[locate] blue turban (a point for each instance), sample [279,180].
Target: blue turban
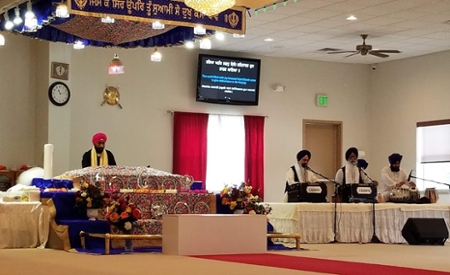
[350,151]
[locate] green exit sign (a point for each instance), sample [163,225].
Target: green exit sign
[322,100]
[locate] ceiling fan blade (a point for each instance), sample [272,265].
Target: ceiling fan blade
[343,52]
[387,51]
[358,52]
[378,54]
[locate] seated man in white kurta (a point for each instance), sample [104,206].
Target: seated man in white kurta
[350,174]
[393,176]
[298,173]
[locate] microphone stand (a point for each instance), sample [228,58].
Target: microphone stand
[375,238]
[336,192]
[431,181]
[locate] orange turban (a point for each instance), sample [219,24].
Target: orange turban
[98,137]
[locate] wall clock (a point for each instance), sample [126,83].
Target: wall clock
[59,93]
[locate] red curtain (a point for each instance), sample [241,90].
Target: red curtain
[189,145]
[254,152]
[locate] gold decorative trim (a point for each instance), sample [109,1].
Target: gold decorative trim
[61,230]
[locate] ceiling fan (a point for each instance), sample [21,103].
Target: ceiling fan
[367,49]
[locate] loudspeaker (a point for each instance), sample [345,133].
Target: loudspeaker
[425,231]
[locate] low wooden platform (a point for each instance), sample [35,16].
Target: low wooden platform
[108,237]
[286,236]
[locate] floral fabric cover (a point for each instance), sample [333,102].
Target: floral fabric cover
[181,203]
[131,177]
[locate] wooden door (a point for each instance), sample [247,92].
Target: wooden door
[323,139]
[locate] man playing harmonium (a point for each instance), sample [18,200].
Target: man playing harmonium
[350,174]
[297,173]
[393,176]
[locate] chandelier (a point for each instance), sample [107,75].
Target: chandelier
[210,7]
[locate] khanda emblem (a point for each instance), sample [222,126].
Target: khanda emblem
[232,18]
[81,3]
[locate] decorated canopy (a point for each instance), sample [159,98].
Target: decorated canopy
[132,25]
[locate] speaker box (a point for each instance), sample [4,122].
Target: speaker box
[425,231]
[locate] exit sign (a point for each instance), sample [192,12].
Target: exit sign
[322,100]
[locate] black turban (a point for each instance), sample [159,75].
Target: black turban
[394,158]
[350,151]
[362,164]
[303,153]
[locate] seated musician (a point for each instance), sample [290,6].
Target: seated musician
[350,174]
[393,176]
[298,173]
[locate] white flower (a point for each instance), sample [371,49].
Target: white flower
[84,194]
[128,226]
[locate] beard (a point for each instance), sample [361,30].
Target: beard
[99,150]
[395,169]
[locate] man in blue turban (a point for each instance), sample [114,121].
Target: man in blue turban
[350,174]
[392,176]
[297,173]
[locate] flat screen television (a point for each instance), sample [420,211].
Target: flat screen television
[228,80]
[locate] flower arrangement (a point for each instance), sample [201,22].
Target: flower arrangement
[243,197]
[90,196]
[122,214]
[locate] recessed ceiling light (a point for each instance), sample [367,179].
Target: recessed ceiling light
[351,18]
[236,35]
[189,45]
[268,39]
[220,36]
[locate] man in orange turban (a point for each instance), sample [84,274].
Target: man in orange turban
[98,155]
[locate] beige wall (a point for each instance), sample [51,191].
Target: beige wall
[17,102]
[408,90]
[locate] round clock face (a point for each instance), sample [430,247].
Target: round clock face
[59,93]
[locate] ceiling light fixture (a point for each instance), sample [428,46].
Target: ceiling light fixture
[2,40]
[8,24]
[62,11]
[199,30]
[351,18]
[220,36]
[237,35]
[116,66]
[158,25]
[78,45]
[17,19]
[268,39]
[108,20]
[156,56]
[31,21]
[189,44]
[210,7]
[205,44]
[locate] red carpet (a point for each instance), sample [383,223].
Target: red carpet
[319,265]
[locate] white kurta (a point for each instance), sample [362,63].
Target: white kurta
[351,175]
[389,179]
[303,176]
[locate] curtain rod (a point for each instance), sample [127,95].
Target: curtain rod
[171,112]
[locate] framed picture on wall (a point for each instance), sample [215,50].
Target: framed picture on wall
[60,71]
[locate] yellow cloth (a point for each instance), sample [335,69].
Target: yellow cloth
[103,158]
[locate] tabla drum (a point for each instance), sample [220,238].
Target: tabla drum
[432,195]
[399,195]
[414,194]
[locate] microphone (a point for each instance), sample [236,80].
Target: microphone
[409,176]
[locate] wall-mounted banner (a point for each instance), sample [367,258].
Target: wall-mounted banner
[166,11]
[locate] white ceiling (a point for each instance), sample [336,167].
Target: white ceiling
[299,30]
